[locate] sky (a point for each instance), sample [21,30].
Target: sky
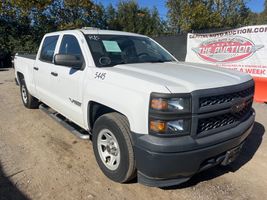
[254,5]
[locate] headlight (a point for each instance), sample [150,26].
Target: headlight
[179,105]
[170,114]
[180,126]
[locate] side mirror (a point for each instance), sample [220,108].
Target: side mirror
[68,60]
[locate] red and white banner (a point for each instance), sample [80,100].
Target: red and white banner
[243,49]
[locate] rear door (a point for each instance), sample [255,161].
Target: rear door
[68,82]
[42,69]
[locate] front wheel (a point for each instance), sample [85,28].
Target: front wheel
[28,100]
[113,147]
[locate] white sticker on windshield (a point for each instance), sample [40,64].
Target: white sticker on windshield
[93,37]
[111,46]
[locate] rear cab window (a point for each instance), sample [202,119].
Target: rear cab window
[48,48]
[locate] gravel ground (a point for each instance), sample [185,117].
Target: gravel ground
[39,159]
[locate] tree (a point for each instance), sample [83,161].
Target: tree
[132,18]
[258,18]
[23,23]
[17,18]
[235,13]
[263,15]
[112,18]
[185,15]
[189,15]
[70,14]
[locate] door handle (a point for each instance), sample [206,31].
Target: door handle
[54,73]
[36,68]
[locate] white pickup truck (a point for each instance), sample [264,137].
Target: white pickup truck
[149,115]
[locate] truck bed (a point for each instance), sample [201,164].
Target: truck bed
[24,63]
[29,56]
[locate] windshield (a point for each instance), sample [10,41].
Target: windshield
[110,50]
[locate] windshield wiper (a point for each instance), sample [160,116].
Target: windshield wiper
[121,62]
[150,61]
[159,61]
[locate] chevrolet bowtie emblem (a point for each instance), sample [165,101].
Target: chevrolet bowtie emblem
[238,107]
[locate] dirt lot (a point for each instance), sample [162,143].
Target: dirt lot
[39,159]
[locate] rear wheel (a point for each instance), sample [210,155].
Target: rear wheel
[28,100]
[113,147]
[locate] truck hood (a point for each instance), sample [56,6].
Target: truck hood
[181,77]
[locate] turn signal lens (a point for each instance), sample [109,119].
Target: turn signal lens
[158,126]
[159,104]
[180,126]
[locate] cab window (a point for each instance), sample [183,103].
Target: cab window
[70,45]
[48,48]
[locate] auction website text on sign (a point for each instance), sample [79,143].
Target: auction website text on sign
[243,49]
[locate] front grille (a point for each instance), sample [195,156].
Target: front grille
[210,123]
[225,98]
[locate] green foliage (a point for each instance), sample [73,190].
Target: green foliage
[71,14]
[257,18]
[189,15]
[130,17]
[262,17]
[19,21]
[23,23]
[112,18]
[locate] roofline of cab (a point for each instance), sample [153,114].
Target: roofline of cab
[96,31]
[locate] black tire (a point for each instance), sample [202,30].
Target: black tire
[28,100]
[119,126]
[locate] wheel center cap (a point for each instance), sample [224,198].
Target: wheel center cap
[111,149]
[108,148]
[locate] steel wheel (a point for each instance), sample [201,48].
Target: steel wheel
[108,149]
[24,94]
[28,100]
[113,147]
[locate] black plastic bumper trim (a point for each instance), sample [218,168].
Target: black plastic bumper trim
[170,161]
